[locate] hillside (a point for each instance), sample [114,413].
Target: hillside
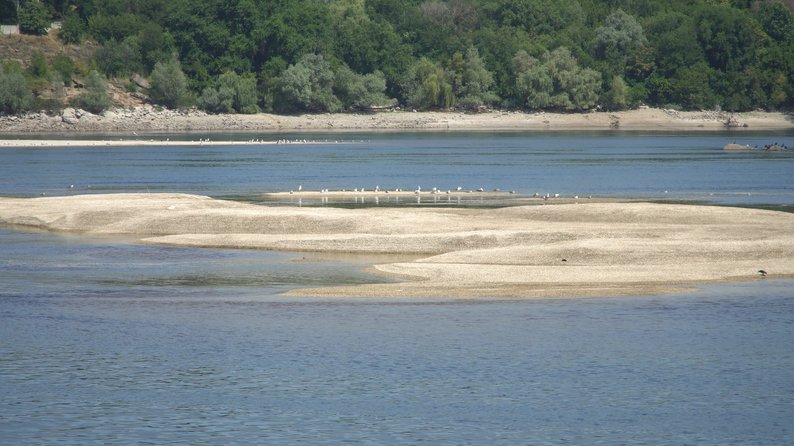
[294,56]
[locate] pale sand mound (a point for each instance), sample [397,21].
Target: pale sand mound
[609,248]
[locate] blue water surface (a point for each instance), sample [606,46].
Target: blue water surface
[644,165]
[104,341]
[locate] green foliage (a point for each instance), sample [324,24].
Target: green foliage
[308,86]
[34,18]
[38,66]
[472,82]
[617,96]
[71,28]
[619,39]
[95,98]
[63,65]
[118,59]
[15,95]
[777,20]
[114,27]
[556,81]
[232,94]
[691,54]
[427,87]
[359,90]
[169,84]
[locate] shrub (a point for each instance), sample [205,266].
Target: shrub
[308,86]
[34,18]
[360,90]
[232,93]
[169,84]
[426,86]
[71,28]
[95,98]
[63,65]
[38,66]
[118,59]
[15,95]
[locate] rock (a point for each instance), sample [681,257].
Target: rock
[734,146]
[69,116]
[140,81]
[775,148]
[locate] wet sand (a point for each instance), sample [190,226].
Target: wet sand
[563,250]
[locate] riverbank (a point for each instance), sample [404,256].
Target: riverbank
[524,251]
[147,119]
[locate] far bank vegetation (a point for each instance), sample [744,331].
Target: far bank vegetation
[315,56]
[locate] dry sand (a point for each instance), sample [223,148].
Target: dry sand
[143,119]
[608,248]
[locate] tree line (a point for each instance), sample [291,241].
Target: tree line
[290,56]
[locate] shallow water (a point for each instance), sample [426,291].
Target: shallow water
[644,165]
[107,342]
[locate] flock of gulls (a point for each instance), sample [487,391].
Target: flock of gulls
[433,191]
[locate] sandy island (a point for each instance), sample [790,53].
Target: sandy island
[592,249]
[147,119]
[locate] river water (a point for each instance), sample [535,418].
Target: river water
[103,341]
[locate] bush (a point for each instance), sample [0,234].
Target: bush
[232,93]
[95,99]
[426,86]
[71,29]
[34,18]
[118,59]
[169,84]
[38,66]
[15,95]
[556,81]
[308,86]
[360,90]
[63,65]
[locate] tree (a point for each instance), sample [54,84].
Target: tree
[232,93]
[95,98]
[359,90]
[616,97]
[618,39]
[472,82]
[34,18]
[556,81]
[15,95]
[71,28]
[169,84]
[427,87]
[64,66]
[118,59]
[308,86]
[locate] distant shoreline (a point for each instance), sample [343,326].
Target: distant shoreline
[126,123]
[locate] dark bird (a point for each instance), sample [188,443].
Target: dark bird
[564,260]
[762,273]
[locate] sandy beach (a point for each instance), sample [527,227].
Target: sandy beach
[146,119]
[591,249]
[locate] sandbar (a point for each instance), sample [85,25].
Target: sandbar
[560,250]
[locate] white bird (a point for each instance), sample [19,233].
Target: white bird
[458,188]
[300,187]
